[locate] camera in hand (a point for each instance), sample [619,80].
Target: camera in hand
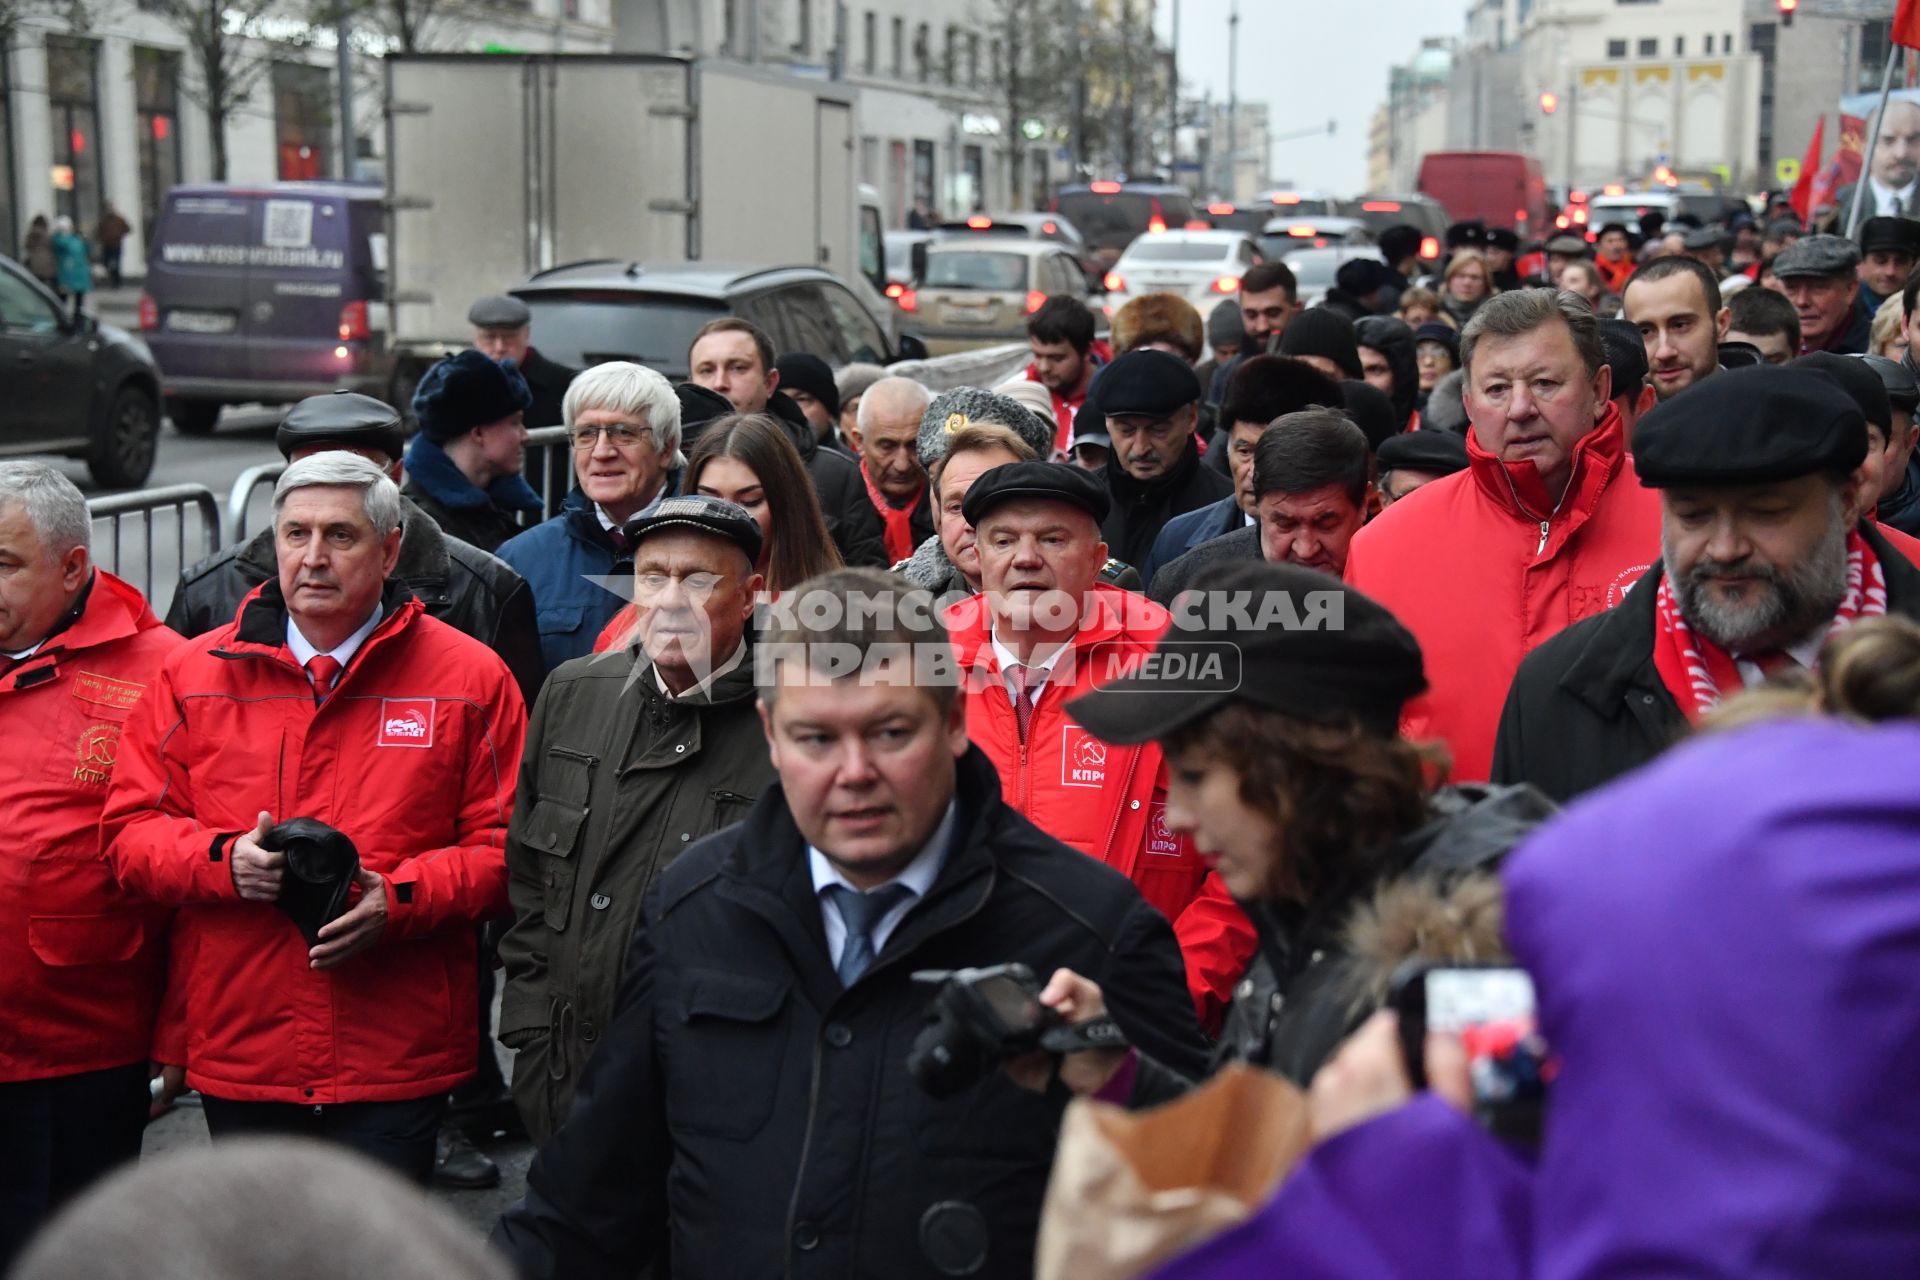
[981,1017]
[1491,1009]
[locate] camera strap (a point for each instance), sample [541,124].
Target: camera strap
[1100,1033]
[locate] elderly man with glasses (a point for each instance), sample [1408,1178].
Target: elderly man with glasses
[624,424]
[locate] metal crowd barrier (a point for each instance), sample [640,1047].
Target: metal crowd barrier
[139,509]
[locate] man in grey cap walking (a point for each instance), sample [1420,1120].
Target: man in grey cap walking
[1820,276]
[503,330]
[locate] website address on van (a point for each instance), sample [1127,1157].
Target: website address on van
[258,255]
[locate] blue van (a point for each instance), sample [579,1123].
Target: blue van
[266,294]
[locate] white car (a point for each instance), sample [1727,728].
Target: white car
[1314,269]
[1201,266]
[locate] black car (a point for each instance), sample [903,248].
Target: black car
[587,313]
[74,387]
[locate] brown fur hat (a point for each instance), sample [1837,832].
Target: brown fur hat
[1159,317]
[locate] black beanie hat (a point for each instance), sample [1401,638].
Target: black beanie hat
[1398,242]
[465,391]
[1320,332]
[800,371]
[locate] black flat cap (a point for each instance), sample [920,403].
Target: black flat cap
[1862,385]
[708,515]
[1817,256]
[1344,656]
[1901,387]
[344,418]
[1901,235]
[1750,426]
[1439,453]
[1052,481]
[498,311]
[1149,383]
[1621,227]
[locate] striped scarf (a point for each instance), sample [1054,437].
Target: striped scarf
[1699,673]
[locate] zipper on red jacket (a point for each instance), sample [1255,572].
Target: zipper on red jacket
[1120,810]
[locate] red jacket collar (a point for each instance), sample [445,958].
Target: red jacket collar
[1115,615]
[113,611]
[1516,487]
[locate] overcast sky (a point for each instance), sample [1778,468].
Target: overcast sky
[1310,61]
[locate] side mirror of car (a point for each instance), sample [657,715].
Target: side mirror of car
[911,348]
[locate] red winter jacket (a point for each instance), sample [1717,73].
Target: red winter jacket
[82,962]
[1106,800]
[1480,577]
[414,757]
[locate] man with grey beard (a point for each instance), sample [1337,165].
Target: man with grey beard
[1765,552]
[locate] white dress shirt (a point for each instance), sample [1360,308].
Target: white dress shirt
[918,877]
[304,652]
[1038,673]
[1883,198]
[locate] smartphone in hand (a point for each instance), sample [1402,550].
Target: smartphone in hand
[1491,1009]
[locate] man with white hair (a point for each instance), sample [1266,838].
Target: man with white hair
[886,437]
[81,961]
[327,978]
[623,421]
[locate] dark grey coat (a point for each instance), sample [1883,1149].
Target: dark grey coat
[1176,575]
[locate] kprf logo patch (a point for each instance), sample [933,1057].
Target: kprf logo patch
[98,748]
[405,722]
[1160,837]
[1083,758]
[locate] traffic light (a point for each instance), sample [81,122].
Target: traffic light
[1549,102]
[1787,10]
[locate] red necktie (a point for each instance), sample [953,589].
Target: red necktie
[1022,697]
[324,670]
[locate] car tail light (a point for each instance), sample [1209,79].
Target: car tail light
[895,289]
[1563,222]
[1430,247]
[1219,210]
[353,322]
[149,313]
[1105,188]
[1158,226]
[1035,300]
[1519,215]
[1381,206]
[1115,282]
[1049,228]
[1226,284]
[1303,233]
[980,222]
[1198,224]
[1321,243]
[908,300]
[1286,197]
[1580,215]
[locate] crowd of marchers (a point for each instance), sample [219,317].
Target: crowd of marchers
[664,767]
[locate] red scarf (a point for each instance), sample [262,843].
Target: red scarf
[1699,673]
[899,519]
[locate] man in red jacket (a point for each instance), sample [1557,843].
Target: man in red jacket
[81,962]
[331,696]
[1545,527]
[1042,631]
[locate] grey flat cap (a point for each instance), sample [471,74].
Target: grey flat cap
[1570,246]
[498,311]
[1817,256]
[966,406]
[1705,238]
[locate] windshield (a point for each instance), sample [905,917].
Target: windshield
[1108,221]
[969,270]
[594,326]
[1314,270]
[1157,250]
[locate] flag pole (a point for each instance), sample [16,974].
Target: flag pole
[1864,186]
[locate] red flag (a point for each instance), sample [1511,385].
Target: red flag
[1803,189]
[1906,24]
[1844,169]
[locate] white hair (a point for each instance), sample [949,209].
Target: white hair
[634,391]
[337,467]
[887,388]
[53,504]
[63,225]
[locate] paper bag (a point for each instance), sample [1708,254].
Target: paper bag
[1133,1189]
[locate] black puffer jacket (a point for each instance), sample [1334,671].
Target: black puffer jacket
[470,590]
[1323,968]
[852,522]
[745,1106]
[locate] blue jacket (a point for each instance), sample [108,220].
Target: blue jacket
[75,263]
[561,559]
[1185,532]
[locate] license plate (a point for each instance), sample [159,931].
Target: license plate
[201,321]
[974,315]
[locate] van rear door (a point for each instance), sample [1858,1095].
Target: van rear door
[198,276]
[301,253]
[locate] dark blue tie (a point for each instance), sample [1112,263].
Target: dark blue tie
[860,912]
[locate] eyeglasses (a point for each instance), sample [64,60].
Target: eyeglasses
[623,436]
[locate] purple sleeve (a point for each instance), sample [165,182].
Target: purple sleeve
[1421,1193]
[1119,1086]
